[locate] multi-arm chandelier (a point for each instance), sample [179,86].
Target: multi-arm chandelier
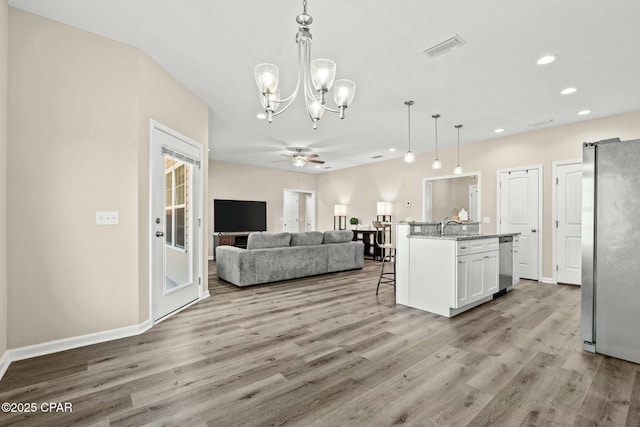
[317,78]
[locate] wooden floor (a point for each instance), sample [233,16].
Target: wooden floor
[325,351]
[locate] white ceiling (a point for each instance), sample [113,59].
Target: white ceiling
[490,82]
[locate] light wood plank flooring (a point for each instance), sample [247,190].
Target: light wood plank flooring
[325,351]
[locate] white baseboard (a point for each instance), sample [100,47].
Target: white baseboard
[205,294]
[4,363]
[63,344]
[210,258]
[547,280]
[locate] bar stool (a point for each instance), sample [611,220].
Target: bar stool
[387,251]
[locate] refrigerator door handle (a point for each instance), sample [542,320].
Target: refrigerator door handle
[589,204]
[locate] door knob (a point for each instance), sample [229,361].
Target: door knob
[159,234]
[533,230]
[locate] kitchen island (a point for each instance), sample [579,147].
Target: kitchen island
[449,273]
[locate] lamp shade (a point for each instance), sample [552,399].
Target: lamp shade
[384,208]
[339,210]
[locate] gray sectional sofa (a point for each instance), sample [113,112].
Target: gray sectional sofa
[271,257]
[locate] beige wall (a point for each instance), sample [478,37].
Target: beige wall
[4,58]
[450,195]
[393,180]
[78,105]
[167,101]
[242,182]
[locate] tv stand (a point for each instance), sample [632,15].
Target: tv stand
[239,240]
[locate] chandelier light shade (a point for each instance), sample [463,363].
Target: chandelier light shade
[458,169]
[436,162]
[316,76]
[409,157]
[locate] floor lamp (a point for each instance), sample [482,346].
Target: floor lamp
[339,217]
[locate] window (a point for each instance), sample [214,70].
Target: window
[176,202]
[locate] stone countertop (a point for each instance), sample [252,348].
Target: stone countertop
[460,236]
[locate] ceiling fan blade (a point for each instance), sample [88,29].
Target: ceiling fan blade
[286,155]
[311,156]
[321,162]
[280,161]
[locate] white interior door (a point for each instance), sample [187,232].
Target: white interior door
[569,223]
[290,208]
[473,204]
[309,217]
[176,219]
[519,213]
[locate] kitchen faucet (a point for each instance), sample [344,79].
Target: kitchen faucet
[445,222]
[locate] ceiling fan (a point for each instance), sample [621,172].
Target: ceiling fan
[299,160]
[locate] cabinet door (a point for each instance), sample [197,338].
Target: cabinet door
[462,282]
[516,264]
[226,240]
[490,272]
[476,287]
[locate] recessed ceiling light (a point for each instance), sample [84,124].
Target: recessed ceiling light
[392,149]
[584,112]
[500,130]
[261,116]
[568,90]
[547,59]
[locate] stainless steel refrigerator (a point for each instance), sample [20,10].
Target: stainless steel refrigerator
[611,248]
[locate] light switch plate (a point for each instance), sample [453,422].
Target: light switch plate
[107,218]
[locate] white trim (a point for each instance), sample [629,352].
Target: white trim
[70,343]
[548,280]
[554,212]
[540,207]
[210,257]
[466,174]
[4,363]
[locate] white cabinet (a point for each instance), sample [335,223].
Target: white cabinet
[445,276]
[516,259]
[476,270]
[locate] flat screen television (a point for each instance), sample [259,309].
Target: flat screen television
[233,216]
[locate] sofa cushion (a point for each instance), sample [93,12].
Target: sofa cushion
[268,240]
[306,239]
[273,265]
[337,236]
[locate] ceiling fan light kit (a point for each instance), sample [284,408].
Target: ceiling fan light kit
[299,160]
[317,78]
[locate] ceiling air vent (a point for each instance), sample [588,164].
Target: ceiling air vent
[546,122]
[377,157]
[445,46]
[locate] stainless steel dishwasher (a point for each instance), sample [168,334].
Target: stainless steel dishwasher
[505,263]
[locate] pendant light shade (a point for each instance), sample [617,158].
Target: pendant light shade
[458,169]
[409,157]
[436,162]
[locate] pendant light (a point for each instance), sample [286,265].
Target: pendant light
[458,169]
[409,157]
[436,163]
